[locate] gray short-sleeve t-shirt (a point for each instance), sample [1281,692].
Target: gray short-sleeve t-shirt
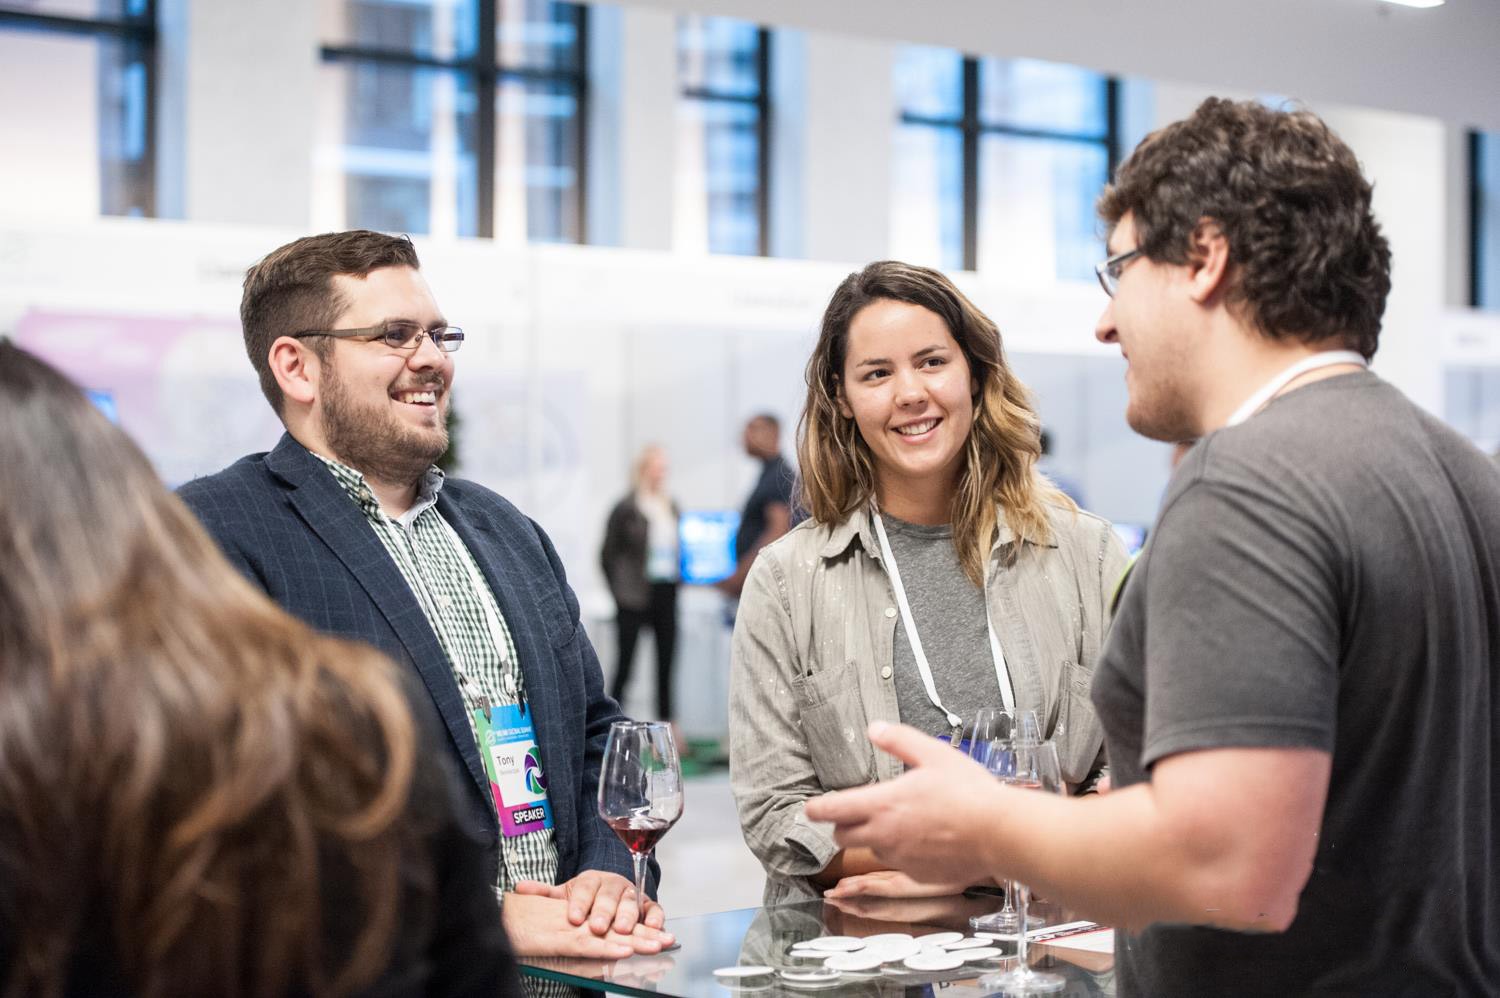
[1327,575]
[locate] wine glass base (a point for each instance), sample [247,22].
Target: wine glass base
[1022,981]
[1004,923]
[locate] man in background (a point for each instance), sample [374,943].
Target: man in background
[768,510]
[348,524]
[1301,687]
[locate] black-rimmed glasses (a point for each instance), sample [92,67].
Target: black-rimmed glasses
[1109,270]
[398,335]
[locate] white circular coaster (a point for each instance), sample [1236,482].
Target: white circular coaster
[884,938]
[854,961]
[966,944]
[981,953]
[895,951]
[802,980]
[935,961]
[833,944]
[739,972]
[940,938]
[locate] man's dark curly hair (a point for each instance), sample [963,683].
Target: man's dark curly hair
[1310,262]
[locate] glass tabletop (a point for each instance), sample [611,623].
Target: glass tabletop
[762,936]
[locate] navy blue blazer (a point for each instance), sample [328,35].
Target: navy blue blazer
[285,522]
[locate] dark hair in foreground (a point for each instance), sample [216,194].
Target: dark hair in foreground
[1310,261]
[291,291]
[182,765]
[837,469]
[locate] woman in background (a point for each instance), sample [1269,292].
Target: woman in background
[199,794]
[938,574]
[640,560]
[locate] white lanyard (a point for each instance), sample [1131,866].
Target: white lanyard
[1268,391]
[1002,676]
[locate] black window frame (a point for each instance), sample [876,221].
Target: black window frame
[761,100]
[484,71]
[139,36]
[972,129]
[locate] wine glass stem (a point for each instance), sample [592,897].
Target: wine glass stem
[1009,908]
[1022,967]
[640,879]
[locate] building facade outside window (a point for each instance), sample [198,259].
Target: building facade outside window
[453,118]
[997,163]
[721,196]
[83,73]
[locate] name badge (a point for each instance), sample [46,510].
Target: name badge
[513,763]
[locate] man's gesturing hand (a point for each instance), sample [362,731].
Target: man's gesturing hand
[930,822]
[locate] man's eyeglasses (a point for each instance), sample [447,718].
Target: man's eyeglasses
[398,335]
[1109,270]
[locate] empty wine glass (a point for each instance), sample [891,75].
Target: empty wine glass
[640,789]
[991,724]
[998,756]
[1035,767]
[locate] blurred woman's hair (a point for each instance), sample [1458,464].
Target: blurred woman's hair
[999,466]
[183,766]
[638,466]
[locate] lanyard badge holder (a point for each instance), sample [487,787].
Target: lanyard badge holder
[507,740]
[924,669]
[513,765]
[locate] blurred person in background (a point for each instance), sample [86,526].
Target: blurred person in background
[768,509]
[918,452]
[198,794]
[641,560]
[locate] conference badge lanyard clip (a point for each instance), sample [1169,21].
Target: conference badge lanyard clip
[1268,391]
[924,669]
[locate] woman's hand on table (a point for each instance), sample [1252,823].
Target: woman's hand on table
[891,884]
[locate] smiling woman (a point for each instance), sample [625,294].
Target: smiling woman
[918,448]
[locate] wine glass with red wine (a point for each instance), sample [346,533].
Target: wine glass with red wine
[640,789]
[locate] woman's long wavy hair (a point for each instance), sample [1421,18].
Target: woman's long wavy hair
[182,765]
[1000,458]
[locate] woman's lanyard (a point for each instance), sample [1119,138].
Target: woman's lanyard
[1268,391]
[1002,676]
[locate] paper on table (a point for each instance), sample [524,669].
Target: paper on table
[1098,941]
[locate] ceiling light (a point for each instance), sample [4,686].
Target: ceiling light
[1418,3]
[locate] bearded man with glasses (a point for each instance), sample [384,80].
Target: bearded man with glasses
[348,524]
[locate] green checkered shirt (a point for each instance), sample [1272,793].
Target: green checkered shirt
[469,626]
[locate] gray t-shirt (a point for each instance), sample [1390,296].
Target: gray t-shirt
[949,613]
[1327,575]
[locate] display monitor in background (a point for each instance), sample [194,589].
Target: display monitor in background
[706,538]
[104,401]
[1132,535]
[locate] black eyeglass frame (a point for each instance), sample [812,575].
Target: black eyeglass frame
[1108,271]
[446,338]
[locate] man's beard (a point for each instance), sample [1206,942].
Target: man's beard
[372,440]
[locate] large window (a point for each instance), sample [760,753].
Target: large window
[82,73]
[1484,192]
[723,129]
[453,117]
[997,163]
